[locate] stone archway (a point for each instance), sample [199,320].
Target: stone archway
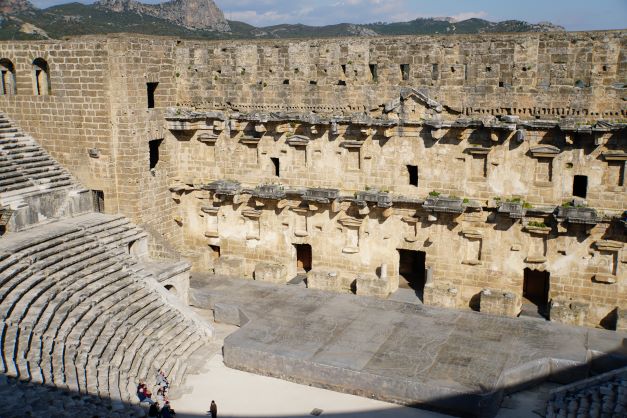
[173,291]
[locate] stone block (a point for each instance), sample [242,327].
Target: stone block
[443,294]
[569,312]
[497,302]
[371,285]
[226,313]
[229,266]
[270,272]
[323,280]
[621,320]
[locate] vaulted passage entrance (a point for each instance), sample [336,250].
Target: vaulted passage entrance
[411,271]
[303,258]
[536,292]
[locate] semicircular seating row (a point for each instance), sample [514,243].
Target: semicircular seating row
[77,310]
[25,167]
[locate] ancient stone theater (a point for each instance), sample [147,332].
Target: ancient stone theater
[482,173]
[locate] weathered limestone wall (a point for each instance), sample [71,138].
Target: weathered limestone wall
[75,116]
[144,194]
[94,119]
[523,74]
[469,252]
[99,102]
[470,165]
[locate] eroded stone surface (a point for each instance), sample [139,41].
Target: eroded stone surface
[396,351]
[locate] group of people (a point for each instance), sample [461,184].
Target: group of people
[156,409]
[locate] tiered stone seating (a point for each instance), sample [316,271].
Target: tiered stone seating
[25,167]
[603,396]
[77,311]
[22,399]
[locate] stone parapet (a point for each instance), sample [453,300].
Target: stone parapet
[271,272]
[441,294]
[498,302]
[323,280]
[371,285]
[569,312]
[229,266]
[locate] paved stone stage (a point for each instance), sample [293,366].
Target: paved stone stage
[452,361]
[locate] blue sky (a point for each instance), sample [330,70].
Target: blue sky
[572,14]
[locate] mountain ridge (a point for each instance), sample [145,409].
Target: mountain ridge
[202,19]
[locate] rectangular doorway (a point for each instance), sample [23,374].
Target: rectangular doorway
[215,250]
[536,290]
[98,199]
[580,186]
[303,258]
[411,271]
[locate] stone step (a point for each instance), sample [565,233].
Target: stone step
[136,312]
[101,351]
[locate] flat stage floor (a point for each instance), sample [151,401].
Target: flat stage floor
[452,361]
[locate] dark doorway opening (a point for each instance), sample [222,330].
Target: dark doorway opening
[215,249]
[405,72]
[374,72]
[154,152]
[413,175]
[303,258]
[277,166]
[98,198]
[580,186]
[536,292]
[412,271]
[151,88]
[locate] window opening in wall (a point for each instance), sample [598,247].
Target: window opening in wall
[154,152]
[580,186]
[580,84]
[374,72]
[544,170]
[98,199]
[344,69]
[41,77]
[478,166]
[7,80]
[215,249]
[313,82]
[501,84]
[353,159]
[151,88]
[4,83]
[413,175]
[286,82]
[536,292]
[341,83]
[616,173]
[435,71]
[405,72]
[277,166]
[412,271]
[303,258]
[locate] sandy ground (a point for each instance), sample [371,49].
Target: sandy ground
[240,394]
[245,395]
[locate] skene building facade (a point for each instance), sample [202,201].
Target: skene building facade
[483,172]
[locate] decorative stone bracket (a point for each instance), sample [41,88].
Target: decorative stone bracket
[544,151]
